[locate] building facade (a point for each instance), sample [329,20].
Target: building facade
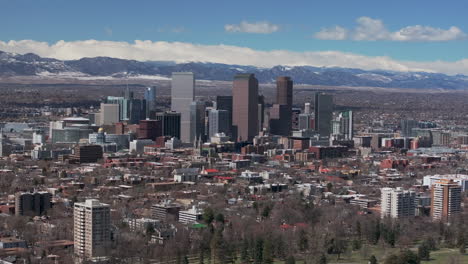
[323,113]
[446,200]
[92,234]
[245,107]
[397,203]
[182,95]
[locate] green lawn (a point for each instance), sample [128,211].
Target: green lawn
[441,256]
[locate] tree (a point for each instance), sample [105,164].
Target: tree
[462,247]
[303,241]
[208,215]
[431,243]
[336,246]
[267,252]
[258,253]
[392,259]
[244,254]
[357,244]
[358,229]
[373,260]
[219,218]
[461,242]
[408,257]
[322,259]
[290,260]
[266,211]
[424,252]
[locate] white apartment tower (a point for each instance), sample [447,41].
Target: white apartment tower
[91,229]
[397,203]
[182,95]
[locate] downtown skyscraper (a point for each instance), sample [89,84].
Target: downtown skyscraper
[245,107]
[182,95]
[281,112]
[323,114]
[150,97]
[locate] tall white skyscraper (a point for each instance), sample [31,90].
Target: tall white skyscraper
[182,95]
[91,229]
[397,203]
[307,108]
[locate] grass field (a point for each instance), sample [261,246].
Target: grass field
[441,256]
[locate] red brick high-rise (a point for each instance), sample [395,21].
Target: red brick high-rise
[284,91]
[245,107]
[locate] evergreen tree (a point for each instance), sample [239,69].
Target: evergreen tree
[322,259]
[266,211]
[244,254]
[290,260]
[424,252]
[219,218]
[208,215]
[267,252]
[431,243]
[303,241]
[280,250]
[358,229]
[258,257]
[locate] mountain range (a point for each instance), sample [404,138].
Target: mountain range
[12,64]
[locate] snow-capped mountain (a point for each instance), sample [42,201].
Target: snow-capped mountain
[12,64]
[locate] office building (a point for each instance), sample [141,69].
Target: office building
[306,122]
[88,153]
[280,120]
[182,95]
[307,108]
[446,200]
[245,107]
[460,179]
[122,106]
[197,121]
[342,125]
[32,204]
[109,114]
[150,98]
[165,211]
[397,203]
[323,114]
[150,129]
[170,123]
[295,118]
[92,234]
[190,216]
[284,91]
[225,103]
[138,145]
[218,121]
[5,145]
[407,127]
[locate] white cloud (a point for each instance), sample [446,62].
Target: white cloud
[370,29]
[262,27]
[108,31]
[334,33]
[185,52]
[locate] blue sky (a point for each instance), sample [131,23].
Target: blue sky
[290,25]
